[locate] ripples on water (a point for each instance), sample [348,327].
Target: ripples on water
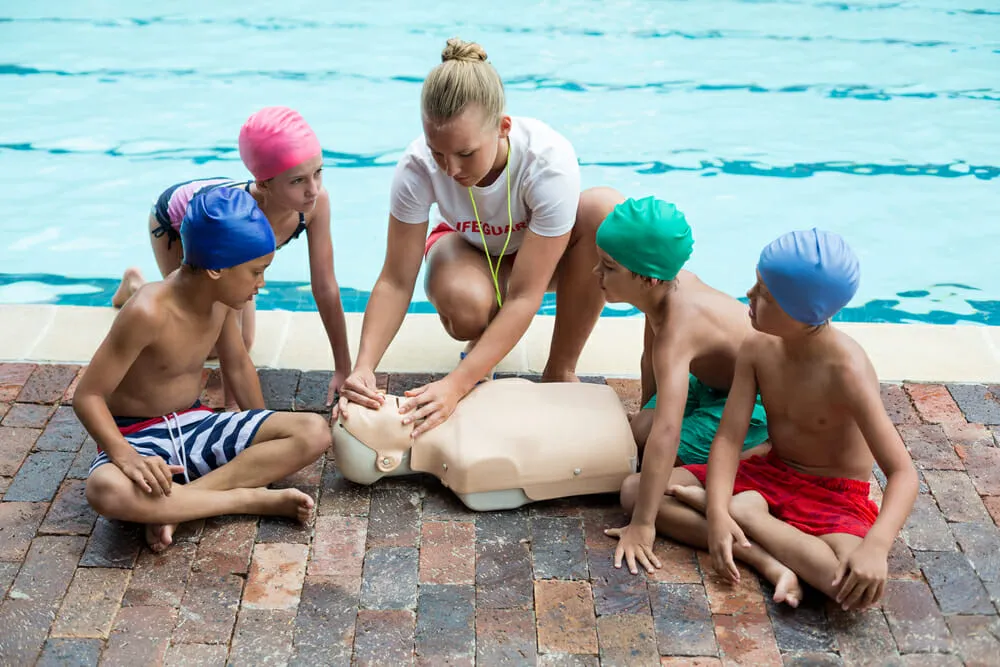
[876,120]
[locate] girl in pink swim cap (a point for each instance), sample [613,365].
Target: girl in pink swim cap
[285,158]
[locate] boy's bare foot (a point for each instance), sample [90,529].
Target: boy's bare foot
[786,583]
[692,496]
[132,280]
[291,503]
[786,586]
[159,536]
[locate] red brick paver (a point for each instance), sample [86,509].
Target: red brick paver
[401,572]
[934,404]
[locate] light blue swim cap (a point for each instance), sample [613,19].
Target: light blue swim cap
[223,228]
[812,274]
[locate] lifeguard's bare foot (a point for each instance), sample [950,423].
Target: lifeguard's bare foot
[159,536]
[559,376]
[132,280]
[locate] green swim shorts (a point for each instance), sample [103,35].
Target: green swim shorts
[702,415]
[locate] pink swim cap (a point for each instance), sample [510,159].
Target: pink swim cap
[276,139]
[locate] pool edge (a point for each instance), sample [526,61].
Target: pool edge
[900,352]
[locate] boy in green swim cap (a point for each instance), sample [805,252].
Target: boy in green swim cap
[693,333]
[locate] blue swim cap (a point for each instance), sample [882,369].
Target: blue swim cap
[223,228]
[812,274]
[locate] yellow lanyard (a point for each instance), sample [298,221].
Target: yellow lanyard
[495,273]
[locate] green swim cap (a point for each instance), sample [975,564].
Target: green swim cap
[647,236]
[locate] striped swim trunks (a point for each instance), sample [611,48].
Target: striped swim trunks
[198,439]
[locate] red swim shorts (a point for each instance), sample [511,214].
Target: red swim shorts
[439,230]
[813,504]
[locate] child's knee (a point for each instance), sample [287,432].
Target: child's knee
[641,423]
[629,492]
[107,492]
[747,504]
[315,435]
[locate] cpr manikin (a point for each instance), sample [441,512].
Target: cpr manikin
[508,443]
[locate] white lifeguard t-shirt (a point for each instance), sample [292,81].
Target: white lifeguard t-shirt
[544,189]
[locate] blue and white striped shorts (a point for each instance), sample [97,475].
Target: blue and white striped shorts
[199,439]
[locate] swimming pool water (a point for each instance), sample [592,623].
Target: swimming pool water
[877,120]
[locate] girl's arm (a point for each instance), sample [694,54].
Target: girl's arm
[325,289]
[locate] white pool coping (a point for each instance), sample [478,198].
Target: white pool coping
[900,352]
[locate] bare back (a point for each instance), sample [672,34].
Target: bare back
[166,375]
[808,415]
[713,322]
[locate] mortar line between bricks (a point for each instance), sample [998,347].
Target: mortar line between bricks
[913,406]
[239,607]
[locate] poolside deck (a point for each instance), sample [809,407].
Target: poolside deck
[401,573]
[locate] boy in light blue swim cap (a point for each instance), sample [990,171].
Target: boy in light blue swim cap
[693,334]
[163,457]
[806,502]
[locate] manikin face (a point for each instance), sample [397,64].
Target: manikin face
[466,146]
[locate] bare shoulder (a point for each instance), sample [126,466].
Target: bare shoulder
[710,312]
[757,346]
[686,316]
[146,309]
[851,366]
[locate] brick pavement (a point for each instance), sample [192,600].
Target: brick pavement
[402,573]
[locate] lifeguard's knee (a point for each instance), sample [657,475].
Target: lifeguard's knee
[595,205]
[464,326]
[465,311]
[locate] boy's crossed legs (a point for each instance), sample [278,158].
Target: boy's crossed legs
[780,552]
[684,523]
[283,444]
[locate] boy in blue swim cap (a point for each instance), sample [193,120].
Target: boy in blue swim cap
[805,504]
[693,334]
[171,459]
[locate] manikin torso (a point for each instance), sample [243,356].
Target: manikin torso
[508,443]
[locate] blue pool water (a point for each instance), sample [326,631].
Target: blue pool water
[878,120]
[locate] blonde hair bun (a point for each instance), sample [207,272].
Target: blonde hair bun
[463,77]
[462,51]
